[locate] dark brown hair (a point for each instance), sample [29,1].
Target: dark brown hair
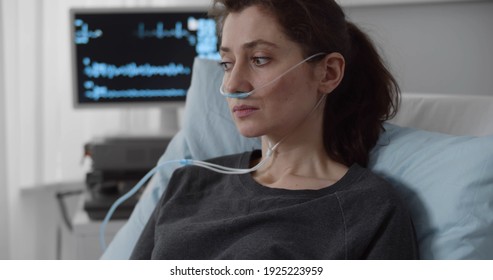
[368,94]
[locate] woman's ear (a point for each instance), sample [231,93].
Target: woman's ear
[333,66]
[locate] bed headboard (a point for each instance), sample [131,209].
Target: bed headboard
[446,113]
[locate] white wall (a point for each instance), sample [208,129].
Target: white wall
[432,48]
[439,48]
[4,249]
[14,137]
[44,135]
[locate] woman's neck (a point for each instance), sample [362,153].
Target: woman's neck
[299,162]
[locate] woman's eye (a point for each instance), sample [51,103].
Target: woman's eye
[225,65]
[260,60]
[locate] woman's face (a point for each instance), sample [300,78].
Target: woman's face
[255,51]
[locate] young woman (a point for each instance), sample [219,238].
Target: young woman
[313,87]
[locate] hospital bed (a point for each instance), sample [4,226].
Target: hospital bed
[436,152]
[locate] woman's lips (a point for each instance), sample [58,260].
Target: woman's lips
[243,111]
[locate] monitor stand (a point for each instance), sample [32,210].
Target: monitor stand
[165,121]
[171,120]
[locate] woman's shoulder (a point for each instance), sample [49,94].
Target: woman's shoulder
[366,188]
[377,218]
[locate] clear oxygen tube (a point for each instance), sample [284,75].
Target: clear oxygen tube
[204,164]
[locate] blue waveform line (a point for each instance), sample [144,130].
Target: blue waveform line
[131,70]
[211,56]
[102,92]
[83,35]
[206,37]
[205,41]
[160,32]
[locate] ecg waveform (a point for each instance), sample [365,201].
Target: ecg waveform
[83,35]
[96,93]
[132,70]
[205,41]
[159,32]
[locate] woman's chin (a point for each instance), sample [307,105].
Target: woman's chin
[248,132]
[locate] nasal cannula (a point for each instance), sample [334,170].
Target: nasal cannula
[243,95]
[208,165]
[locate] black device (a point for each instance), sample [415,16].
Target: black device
[118,163]
[137,56]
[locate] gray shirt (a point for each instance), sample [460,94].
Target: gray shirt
[207,215]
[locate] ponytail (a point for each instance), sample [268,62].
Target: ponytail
[367,96]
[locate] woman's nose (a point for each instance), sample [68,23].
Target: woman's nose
[237,79]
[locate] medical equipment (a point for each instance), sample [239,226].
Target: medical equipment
[147,41]
[242,95]
[117,164]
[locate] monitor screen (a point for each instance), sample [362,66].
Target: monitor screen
[129,57]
